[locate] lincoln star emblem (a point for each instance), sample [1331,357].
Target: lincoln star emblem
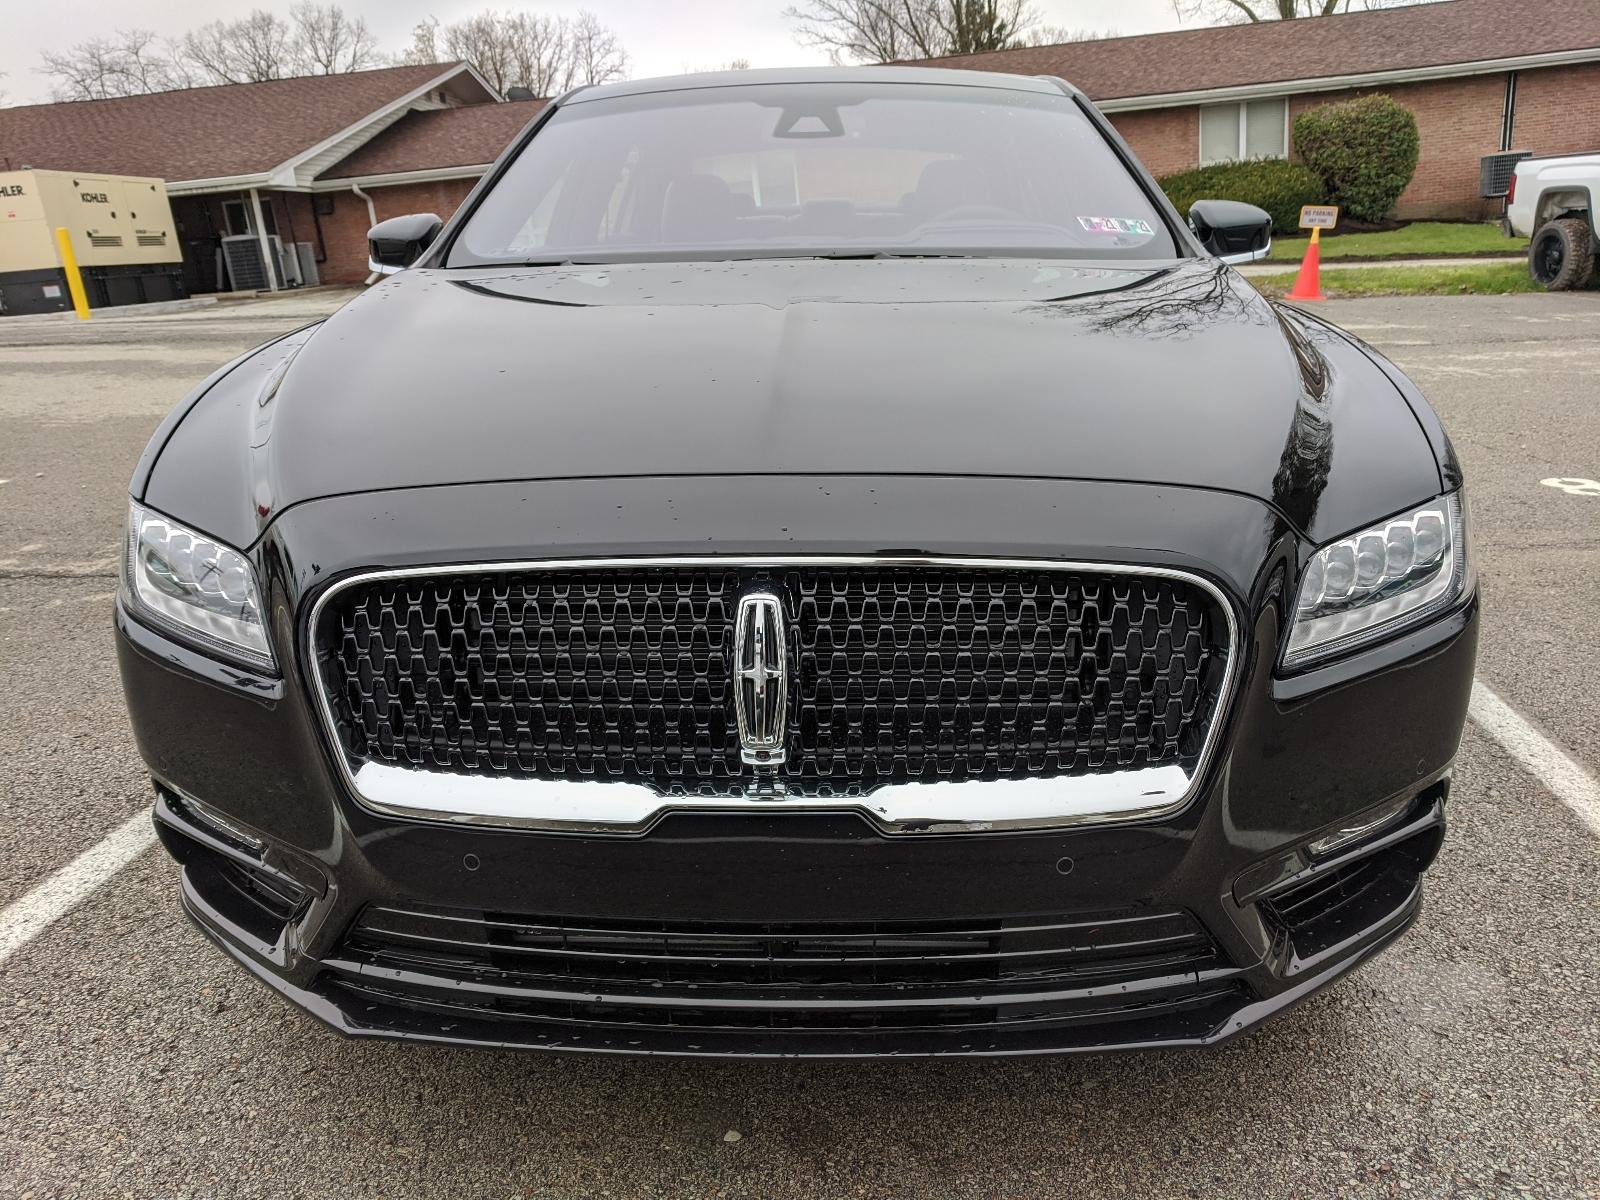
[760,678]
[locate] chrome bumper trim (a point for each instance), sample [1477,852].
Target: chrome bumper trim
[631,808]
[556,806]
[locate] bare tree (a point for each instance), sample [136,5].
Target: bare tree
[483,40]
[327,42]
[1242,11]
[540,54]
[130,63]
[733,64]
[597,56]
[545,54]
[891,30]
[424,46]
[852,30]
[318,39]
[1060,35]
[974,26]
[251,49]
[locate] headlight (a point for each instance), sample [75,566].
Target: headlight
[1370,585]
[185,582]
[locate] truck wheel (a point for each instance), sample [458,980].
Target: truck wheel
[1561,255]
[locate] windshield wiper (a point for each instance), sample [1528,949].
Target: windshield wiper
[522,262]
[845,255]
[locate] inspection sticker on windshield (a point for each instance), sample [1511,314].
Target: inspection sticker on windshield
[1117,225]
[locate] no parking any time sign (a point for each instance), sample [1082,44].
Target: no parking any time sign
[1319,216]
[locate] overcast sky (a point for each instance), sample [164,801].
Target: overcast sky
[663,37]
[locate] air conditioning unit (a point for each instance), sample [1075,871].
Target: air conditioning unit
[1495,171]
[241,255]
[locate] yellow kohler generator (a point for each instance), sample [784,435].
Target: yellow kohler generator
[122,236]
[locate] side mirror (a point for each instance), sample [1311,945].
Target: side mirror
[395,244]
[1234,232]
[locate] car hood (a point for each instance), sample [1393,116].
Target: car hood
[1176,373]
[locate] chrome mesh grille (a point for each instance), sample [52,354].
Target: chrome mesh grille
[896,674]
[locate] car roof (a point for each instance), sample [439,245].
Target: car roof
[789,75]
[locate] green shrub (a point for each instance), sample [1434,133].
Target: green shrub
[1365,151]
[1274,184]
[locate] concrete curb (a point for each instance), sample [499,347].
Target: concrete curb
[1367,264]
[115,313]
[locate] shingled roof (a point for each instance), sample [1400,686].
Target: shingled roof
[1417,37]
[204,133]
[470,136]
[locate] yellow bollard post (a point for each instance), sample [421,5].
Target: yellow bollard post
[69,262]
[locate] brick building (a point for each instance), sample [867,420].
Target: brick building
[310,162]
[314,162]
[1480,75]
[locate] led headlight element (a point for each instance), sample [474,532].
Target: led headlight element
[196,587]
[1371,584]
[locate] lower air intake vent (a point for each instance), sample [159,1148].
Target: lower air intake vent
[818,978]
[1343,903]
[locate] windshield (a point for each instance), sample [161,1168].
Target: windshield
[815,169]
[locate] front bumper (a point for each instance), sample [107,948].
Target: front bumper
[1368,898]
[1182,931]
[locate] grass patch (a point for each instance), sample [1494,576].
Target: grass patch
[1442,239]
[1491,279]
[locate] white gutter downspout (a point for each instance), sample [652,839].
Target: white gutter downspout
[268,264]
[372,219]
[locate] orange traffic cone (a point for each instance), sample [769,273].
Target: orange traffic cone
[1308,284]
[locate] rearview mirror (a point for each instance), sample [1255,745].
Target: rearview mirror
[1234,232]
[395,244]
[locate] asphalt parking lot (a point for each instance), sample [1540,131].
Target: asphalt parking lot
[135,1060]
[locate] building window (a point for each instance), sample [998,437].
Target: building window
[1256,129]
[236,217]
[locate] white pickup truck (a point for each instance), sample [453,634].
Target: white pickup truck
[1556,201]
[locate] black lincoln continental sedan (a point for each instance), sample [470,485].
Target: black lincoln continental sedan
[803,563]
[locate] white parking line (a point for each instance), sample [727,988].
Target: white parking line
[1539,756]
[26,918]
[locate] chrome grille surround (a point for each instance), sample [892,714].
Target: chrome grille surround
[589,806]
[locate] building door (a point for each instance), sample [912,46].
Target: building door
[198,238]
